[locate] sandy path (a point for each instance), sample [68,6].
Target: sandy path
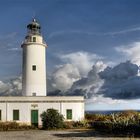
[56,135]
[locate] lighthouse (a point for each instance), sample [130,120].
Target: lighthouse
[34,62]
[28,108]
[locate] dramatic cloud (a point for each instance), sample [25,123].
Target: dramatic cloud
[11,88]
[77,77]
[91,84]
[122,71]
[121,82]
[131,52]
[101,84]
[64,77]
[75,66]
[83,61]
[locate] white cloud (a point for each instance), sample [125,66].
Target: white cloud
[91,84]
[101,100]
[104,103]
[123,31]
[4,87]
[90,33]
[11,35]
[12,87]
[66,32]
[14,49]
[79,71]
[64,77]
[100,66]
[75,66]
[131,52]
[83,61]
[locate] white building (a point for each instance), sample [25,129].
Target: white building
[27,108]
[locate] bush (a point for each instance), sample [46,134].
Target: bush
[52,119]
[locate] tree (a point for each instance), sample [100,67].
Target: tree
[52,119]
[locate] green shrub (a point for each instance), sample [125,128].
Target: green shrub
[52,119]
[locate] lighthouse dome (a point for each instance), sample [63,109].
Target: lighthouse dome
[34,27]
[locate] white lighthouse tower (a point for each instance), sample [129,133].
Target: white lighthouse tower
[34,62]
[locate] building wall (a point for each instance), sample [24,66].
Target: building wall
[25,106]
[3,109]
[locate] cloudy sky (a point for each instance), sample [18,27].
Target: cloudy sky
[93,48]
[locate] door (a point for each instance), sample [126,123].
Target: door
[34,117]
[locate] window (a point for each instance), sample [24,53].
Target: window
[15,115]
[34,39]
[69,113]
[0,114]
[34,94]
[34,67]
[30,39]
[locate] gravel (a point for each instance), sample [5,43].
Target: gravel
[57,135]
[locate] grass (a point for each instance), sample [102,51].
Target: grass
[125,123]
[9,126]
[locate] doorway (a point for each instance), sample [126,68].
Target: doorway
[34,117]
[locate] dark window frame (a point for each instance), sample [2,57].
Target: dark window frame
[34,94]
[34,67]
[16,114]
[69,114]
[34,39]
[0,114]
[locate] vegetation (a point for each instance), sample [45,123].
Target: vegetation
[6,126]
[76,124]
[52,119]
[123,123]
[127,122]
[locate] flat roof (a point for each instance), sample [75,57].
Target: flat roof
[41,98]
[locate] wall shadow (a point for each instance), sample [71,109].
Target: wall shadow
[91,133]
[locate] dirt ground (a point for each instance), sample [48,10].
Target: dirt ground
[58,135]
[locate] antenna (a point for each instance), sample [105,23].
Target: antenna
[34,15]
